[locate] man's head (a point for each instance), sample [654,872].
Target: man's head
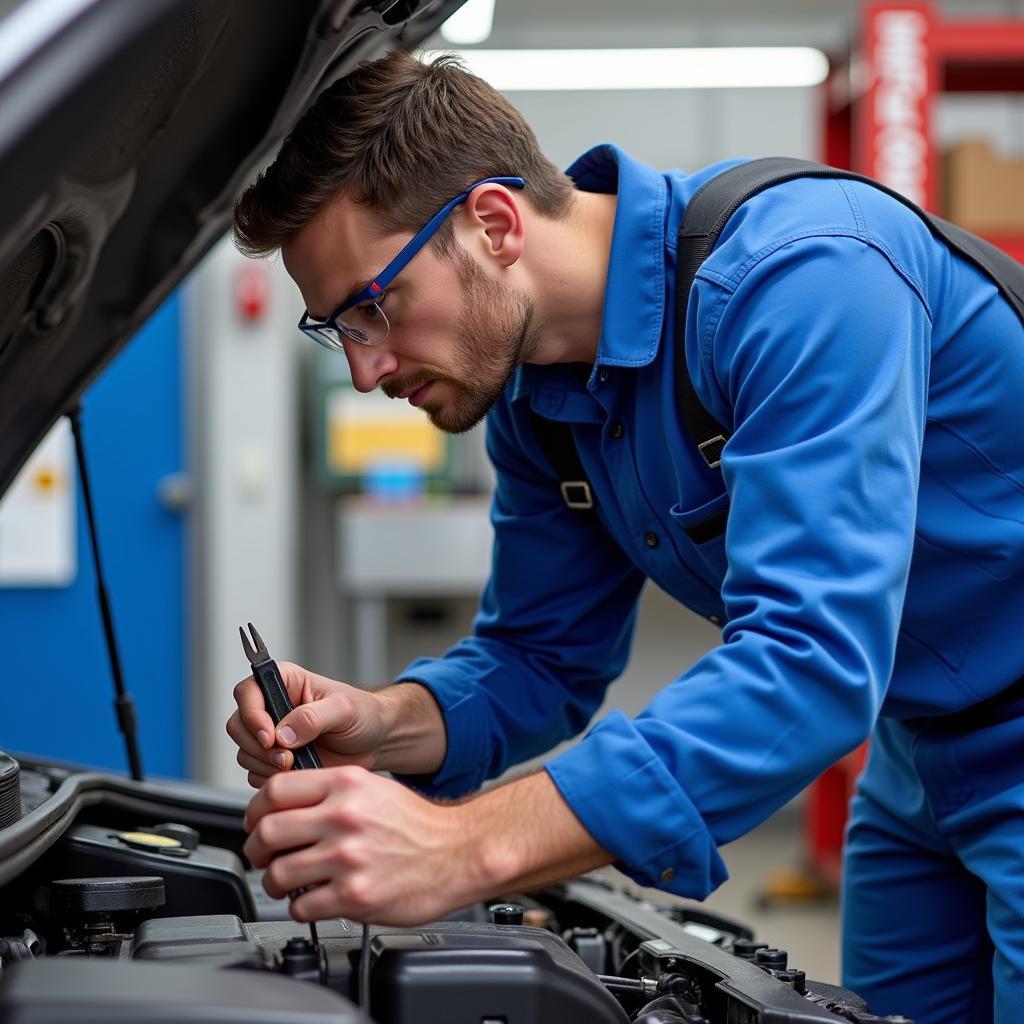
[373,160]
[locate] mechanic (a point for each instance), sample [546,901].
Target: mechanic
[869,580]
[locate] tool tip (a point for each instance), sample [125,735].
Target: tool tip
[250,652]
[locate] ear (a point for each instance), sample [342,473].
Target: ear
[495,217]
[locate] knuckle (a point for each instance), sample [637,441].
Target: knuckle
[265,832]
[306,717]
[275,789]
[339,814]
[347,774]
[257,781]
[358,894]
[341,851]
[272,877]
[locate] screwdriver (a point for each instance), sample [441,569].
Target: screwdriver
[275,697]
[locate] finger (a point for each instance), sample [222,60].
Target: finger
[297,870]
[324,901]
[245,740]
[286,790]
[307,722]
[281,831]
[261,765]
[252,713]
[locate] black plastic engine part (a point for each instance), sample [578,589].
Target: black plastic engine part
[522,976]
[506,913]
[206,880]
[589,945]
[26,946]
[80,896]
[216,940]
[746,949]
[10,791]
[114,992]
[796,979]
[771,959]
[185,834]
[670,1010]
[299,959]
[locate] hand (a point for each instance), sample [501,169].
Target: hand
[374,850]
[348,724]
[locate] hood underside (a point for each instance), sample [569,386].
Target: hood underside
[127,128]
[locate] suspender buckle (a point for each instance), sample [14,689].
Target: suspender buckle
[711,450]
[577,494]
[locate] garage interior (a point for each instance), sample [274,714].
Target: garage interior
[357,538]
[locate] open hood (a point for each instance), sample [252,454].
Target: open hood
[127,128]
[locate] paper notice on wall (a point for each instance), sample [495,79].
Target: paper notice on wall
[37,517]
[364,430]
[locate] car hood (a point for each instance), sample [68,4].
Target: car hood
[127,129]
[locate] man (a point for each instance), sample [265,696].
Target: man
[870,575]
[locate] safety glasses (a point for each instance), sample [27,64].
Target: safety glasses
[361,317]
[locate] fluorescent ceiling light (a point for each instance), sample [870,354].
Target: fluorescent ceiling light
[741,67]
[470,24]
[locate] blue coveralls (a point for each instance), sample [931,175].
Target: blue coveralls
[873,565]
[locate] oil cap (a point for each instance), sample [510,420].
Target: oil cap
[152,843]
[185,834]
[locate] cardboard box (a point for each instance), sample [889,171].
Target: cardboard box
[983,191]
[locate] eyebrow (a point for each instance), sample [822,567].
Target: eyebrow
[356,290]
[351,295]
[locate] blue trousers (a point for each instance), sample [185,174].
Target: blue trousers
[933,889]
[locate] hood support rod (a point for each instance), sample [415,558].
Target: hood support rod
[123,703]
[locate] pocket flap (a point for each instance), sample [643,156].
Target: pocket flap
[706,522]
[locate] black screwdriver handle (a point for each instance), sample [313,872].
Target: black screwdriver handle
[275,696]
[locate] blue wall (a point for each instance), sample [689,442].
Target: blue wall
[58,689]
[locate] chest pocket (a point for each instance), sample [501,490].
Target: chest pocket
[705,526]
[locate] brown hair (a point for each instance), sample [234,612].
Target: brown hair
[403,137]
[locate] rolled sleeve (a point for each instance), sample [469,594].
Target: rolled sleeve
[638,811]
[465,719]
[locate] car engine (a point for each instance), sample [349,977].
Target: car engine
[128,901]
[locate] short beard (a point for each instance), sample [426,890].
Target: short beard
[495,333]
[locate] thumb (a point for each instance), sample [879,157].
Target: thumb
[309,721]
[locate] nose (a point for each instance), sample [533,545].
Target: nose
[369,365]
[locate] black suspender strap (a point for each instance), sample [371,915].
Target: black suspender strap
[706,214]
[555,438]
[718,199]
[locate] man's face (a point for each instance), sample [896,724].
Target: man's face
[456,334]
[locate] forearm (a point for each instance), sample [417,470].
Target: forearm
[523,835]
[415,737]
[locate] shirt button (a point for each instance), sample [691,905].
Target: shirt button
[716,619]
[651,539]
[667,875]
[603,375]
[618,430]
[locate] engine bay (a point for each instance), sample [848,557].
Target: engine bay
[128,901]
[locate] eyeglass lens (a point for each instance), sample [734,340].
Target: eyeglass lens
[366,324]
[371,328]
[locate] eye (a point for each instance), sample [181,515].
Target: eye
[371,310]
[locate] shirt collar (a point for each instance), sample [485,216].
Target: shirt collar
[634,298]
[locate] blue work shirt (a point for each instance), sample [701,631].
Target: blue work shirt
[874,556]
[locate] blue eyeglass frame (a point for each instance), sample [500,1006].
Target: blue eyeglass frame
[395,267]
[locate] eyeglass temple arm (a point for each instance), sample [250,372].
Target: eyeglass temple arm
[424,234]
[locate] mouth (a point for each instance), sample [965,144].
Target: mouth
[417,396]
